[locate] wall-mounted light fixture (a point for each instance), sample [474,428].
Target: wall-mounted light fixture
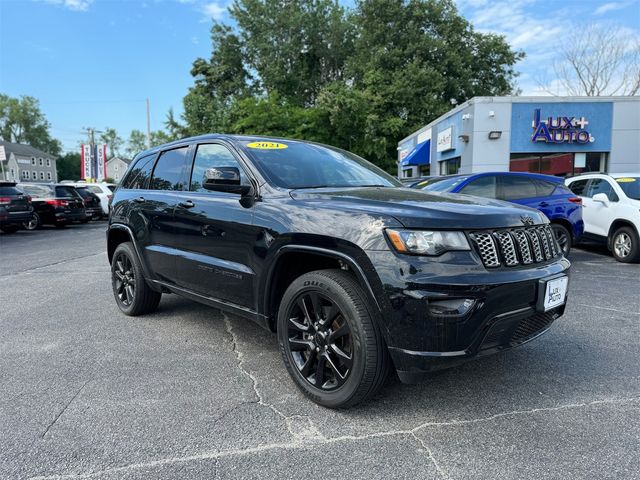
[495,134]
[492,113]
[466,116]
[463,138]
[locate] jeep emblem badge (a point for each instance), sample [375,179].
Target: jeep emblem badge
[526,220]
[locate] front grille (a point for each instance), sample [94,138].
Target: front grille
[515,246]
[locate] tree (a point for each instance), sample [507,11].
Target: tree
[68,166]
[138,141]
[21,121]
[599,61]
[113,141]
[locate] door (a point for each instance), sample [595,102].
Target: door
[215,233]
[155,206]
[521,190]
[485,186]
[598,215]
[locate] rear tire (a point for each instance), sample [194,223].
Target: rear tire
[563,237]
[625,245]
[34,223]
[133,295]
[10,228]
[326,325]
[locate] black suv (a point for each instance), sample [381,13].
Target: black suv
[15,207]
[356,274]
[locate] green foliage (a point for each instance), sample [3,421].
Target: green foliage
[113,141]
[68,166]
[21,121]
[360,79]
[138,141]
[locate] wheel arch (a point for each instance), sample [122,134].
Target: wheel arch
[615,225]
[566,224]
[291,261]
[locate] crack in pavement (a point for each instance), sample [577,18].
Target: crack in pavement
[314,443]
[29,270]
[64,409]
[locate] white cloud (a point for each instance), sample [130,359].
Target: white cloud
[75,5]
[611,6]
[213,10]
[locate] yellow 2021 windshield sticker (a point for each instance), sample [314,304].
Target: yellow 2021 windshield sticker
[267,145]
[625,180]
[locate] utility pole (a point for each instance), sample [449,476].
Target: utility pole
[148,125]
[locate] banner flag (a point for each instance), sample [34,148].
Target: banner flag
[101,162]
[86,162]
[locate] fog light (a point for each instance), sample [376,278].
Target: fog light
[456,307]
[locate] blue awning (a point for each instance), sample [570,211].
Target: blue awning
[420,155]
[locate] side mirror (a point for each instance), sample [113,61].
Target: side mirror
[601,198]
[224,179]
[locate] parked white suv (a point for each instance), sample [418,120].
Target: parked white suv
[611,211]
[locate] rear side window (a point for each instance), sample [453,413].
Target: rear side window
[578,187]
[514,188]
[66,192]
[84,193]
[599,185]
[546,189]
[9,191]
[481,187]
[138,177]
[168,173]
[38,191]
[94,189]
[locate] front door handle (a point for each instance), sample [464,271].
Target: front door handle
[543,204]
[139,200]
[187,204]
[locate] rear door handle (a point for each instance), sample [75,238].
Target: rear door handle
[139,200]
[543,204]
[187,204]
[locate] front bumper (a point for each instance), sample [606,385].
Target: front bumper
[503,312]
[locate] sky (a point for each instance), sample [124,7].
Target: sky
[92,63]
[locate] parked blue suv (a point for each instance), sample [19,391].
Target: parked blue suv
[543,192]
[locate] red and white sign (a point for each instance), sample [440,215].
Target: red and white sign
[86,163]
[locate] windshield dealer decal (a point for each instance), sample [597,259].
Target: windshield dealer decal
[267,145]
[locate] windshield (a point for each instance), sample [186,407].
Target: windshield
[291,164]
[441,184]
[630,186]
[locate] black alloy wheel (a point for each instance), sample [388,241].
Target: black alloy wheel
[563,237]
[125,279]
[130,289]
[330,339]
[320,340]
[33,223]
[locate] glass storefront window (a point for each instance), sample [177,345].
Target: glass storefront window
[558,164]
[450,167]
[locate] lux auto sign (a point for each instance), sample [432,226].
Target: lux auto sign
[560,129]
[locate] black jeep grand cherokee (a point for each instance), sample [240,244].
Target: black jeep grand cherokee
[355,273]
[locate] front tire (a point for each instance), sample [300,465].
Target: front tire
[133,295]
[34,223]
[625,245]
[330,341]
[563,237]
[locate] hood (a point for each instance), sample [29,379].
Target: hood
[422,209]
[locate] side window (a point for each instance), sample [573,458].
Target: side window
[211,155]
[481,187]
[600,185]
[578,187]
[546,189]
[168,174]
[516,187]
[139,176]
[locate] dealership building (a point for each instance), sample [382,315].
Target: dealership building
[553,135]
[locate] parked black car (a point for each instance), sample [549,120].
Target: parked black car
[91,201]
[53,204]
[15,207]
[355,274]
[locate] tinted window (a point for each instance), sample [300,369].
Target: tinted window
[168,174]
[441,184]
[546,189]
[211,156]
[481,187]
[514,188]
[94,189]
[4,190]
[111,187]
[599,185]
[139,176]
[38,191]
[630,186]
[578,187]
[84,193]
[303,165]
[66,192]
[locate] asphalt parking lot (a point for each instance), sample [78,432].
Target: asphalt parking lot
[86,392]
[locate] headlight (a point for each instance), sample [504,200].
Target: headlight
[426,242]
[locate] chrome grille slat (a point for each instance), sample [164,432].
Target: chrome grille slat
[511,247]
